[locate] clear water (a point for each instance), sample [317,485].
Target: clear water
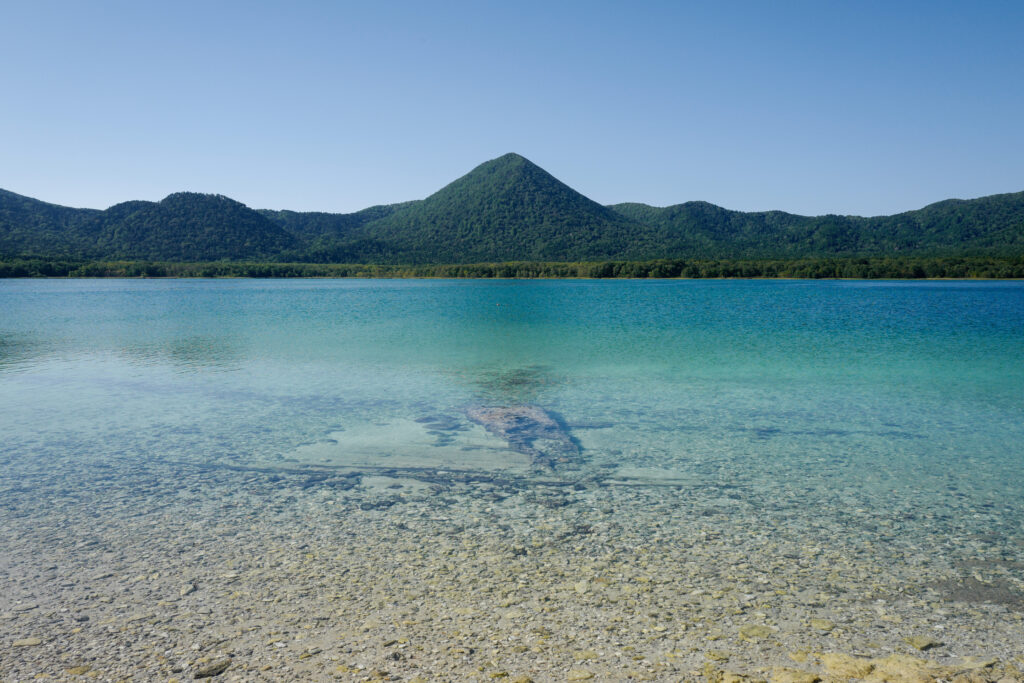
[883,412]
[896,383]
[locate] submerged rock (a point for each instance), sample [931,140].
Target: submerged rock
[922,642]
[755,632]
[27,642]
[529,430]
[822,625]
[845,666]
[212,669]
[787,675]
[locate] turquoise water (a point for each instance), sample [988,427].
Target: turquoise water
[893,394]
[897,382]
[705,455]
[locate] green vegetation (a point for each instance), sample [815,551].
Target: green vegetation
[186,226]
[867,268]
[504,210]
[989,225]
[508,210]
[31,227]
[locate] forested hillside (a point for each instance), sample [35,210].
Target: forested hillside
[507,209]
[504,210]
[989,225]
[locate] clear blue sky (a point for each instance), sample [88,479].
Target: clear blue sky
[812,107]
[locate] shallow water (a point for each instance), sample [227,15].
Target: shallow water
[884,385]
[879,423]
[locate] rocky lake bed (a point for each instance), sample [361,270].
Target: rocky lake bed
[178,571]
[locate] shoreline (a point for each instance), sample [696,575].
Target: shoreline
[160,571]
[816,268]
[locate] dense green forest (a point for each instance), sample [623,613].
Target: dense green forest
[865,268]
[504,210]
[507,209]
[185,226]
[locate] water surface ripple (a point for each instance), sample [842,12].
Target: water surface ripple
[698,457]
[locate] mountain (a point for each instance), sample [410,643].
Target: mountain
[29,226]
[989,225]
[328,237]
[185,226]
[503,210]
[506,209]
[188,226]
[316,225]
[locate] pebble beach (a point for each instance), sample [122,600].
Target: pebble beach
[118,571]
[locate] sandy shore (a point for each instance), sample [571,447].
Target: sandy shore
[157,572]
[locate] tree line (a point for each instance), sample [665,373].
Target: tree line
[811,268]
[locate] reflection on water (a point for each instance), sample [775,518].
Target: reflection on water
[16,350]
[524,384]
[189,353]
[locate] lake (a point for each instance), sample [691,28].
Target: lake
[331,478]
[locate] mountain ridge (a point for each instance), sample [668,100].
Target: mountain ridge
[505,209]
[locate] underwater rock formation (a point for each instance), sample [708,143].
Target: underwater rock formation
[529,430]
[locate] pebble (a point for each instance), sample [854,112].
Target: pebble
[845,666]
[212,669]
[822,624]
[27,642]
[922,642]
[755,632]
[787,675]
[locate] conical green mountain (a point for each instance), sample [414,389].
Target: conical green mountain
[507,209]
